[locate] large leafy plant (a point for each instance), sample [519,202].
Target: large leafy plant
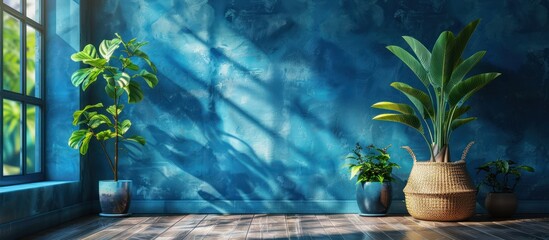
[438,109]
[502,175]
[121,74]
[372,165]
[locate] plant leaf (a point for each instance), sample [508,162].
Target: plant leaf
[466,88]
[526,168]
[150,78]
[109,89]
[398,107]
[122,79]
[107,47]
[459,122]
[76,137]
[127,63]
[135,94]
[88,53]
[105,135]
[461,41]
[419,99]
[355,170]
[462,69]
[76,115]
[441,64]
[124,126]
[99,119]
[421,52]
[85,143]
[406,119]
[112,109]
[411,62]
[145,57]
[137,139]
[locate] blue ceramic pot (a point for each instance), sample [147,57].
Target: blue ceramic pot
[115,198]
[373,198]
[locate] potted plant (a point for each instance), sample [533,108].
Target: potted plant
[104,123]
[438,189]
[373,170]
[501,176]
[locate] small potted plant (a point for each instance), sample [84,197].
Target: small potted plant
[501,176]
[373,170]
[121,75]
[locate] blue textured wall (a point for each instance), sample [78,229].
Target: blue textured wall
[260,100]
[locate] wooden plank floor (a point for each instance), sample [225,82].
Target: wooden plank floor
[264,226]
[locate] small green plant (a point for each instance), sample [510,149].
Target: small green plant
[502,175]
[373,165]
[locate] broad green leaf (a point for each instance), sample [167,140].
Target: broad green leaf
[461,121]
[114,110]
[441,65]
[150,78]
[420,99]
[107,47]
[411,62]
[76,115]
[127,63]
[80,75]
[422,53]
[124,126]
[461,41]
[110,90]
[122,79]
[137,139]
[99,119]
[355,170]
[85,143]
[96,62]
[462,69]
[89,52]
[77,137]
[398,107]
[145,57]
[135,94]
[406,119]
[91,78]
[105,135]
[466,88]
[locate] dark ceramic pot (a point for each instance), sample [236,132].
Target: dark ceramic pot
[501,205]
[373,198]
[115,198]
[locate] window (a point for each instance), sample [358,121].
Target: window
[22,92]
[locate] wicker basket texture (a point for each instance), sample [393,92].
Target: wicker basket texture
[440,191]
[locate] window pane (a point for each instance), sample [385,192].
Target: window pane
[11,137]
[33,139]
[15,4]
[33,62]
[33,9]
[12,54]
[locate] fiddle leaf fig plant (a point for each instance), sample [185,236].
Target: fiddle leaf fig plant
[373,165]
[122,75]
[438,109]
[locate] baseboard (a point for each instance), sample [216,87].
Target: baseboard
[279,207]
[29,225]
[251,206]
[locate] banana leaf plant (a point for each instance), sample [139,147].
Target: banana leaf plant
[438,109]
[120,75]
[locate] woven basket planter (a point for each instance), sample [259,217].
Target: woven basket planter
[440,191]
